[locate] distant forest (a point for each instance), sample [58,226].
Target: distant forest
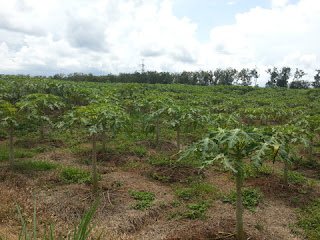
[230,76]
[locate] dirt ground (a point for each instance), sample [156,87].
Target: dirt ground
[62,204]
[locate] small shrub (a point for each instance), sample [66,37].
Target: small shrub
[74,175]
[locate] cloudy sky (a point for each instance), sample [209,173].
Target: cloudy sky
[44,37]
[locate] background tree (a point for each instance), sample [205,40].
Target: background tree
[254,73]
[297,82]
[244,77]
[273,77]
[278,78]
[283,77]
[224,77]
[316,83]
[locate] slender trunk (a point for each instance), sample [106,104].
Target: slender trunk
[11,153]
[310,149]
[143,124]
[157,132]
[178,138]
[94,165]
[239,211]
[285,174]
[41,131]
[104,141]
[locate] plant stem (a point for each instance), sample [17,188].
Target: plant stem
[285,174]
[178,138]
[94,165]
[157,132]
[11,153]
[104,141]
[239,211]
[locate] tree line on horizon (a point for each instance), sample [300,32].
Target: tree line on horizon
[279,77]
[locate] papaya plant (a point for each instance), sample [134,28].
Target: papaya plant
[179,116]
[157,113]
[282,137]
[231,148]
[40,108]
[9,116]
[96,120]
[311,124]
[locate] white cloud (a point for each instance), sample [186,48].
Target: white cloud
[286,36]
[102,36]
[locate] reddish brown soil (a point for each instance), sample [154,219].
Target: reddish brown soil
[61,204]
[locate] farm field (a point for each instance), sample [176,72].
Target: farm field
[165,161]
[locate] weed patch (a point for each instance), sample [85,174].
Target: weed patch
[252,171]
[75,175]
[145,199]
[250,198]
[295,177]
[310,220]
[196,190]
[35,166]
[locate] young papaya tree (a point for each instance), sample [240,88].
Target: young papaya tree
[157,112]
[40,108]
[9,120]
[96,119]
[181,116]
[230,147]
[282,137]
[311,124]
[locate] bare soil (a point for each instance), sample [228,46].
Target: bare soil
[62,204]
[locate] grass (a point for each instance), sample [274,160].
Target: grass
[18,153]
[191,211]
[81,230]
[197,189]
[35,166]
[139,151]
[75,175]
[159,177]
[309,220]
[142,196]
[145,199]
[250,198]
[295,177]
[252,171]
